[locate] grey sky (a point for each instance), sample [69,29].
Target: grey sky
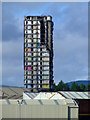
[70,39]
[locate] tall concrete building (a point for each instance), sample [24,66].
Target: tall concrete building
[38,52]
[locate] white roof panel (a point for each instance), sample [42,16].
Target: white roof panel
[57,96]
[75,95]
[65,94]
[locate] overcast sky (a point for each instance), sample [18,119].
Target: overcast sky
[70,39]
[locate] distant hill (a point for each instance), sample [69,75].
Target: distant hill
[85,82]
[9,86]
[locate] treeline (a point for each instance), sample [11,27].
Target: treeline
[65,87]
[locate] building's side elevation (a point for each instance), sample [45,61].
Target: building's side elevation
[38,52]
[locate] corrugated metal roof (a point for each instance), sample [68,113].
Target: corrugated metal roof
[75,95]
[43,95]
[12,92]
[31,95]
[59,95]
[17,93]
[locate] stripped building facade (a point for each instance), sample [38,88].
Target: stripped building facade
[38,52]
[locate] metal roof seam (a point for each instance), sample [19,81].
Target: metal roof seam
[56,102]
[5,93]
[68,95]
[51,96]
[71,94]
[40,102]
[85,94]
[8,101]
[61,94]
[80,95]
[13,90]
[29,95]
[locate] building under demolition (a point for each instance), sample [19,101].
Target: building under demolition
[38,52]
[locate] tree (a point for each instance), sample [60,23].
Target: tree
[66,86]
[60,85]
[82,87]
[54,89]
[88,87]
[75,87]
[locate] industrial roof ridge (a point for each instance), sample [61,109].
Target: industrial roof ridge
[17,93]
[81,95]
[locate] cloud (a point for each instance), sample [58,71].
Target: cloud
[13,70]
[70,42]
[13,17]
[71,58]
[10,28]
[70,39]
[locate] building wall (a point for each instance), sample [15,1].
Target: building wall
[38,52]
[38,111]
[34,109]
[84,108]
[10,111]
[72,112]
